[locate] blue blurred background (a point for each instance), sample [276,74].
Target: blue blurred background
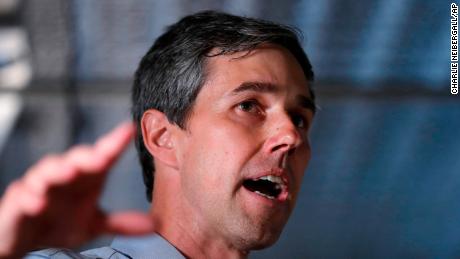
[384,178]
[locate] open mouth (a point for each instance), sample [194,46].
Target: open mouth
[269,186]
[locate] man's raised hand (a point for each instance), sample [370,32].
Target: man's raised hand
[56,202]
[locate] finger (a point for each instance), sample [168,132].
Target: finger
[113,144]
[18,211]
[100,157]
[46,167]
[19,201]
[51,174]
[48,171]
[128,223]
[30,204]
[85,159]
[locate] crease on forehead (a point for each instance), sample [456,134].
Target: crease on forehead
[304,98]
[237,55]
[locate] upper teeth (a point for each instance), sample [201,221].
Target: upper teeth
[272,178]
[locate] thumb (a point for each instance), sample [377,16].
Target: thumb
[128,223]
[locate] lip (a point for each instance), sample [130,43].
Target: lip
[276,171]
[280,201]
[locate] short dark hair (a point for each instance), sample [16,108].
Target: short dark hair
[171,73]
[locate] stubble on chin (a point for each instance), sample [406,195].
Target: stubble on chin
[255,232]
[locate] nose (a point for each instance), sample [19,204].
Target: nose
[284,137]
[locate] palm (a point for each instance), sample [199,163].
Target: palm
[56,202]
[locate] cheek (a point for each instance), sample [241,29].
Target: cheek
[218,153]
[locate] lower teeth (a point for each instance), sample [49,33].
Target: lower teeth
[265,195]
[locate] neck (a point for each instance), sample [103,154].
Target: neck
[181,225]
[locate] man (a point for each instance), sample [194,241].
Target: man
[223,107]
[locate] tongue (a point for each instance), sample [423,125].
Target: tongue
[263,186]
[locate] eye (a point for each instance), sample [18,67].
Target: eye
[299,121]
[250,106]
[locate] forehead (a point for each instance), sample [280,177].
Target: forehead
[271,64]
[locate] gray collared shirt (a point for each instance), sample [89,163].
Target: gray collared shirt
[147,247]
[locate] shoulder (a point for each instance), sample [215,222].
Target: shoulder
[151,246]
[62,253]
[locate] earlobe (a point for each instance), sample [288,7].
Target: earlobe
[158,138]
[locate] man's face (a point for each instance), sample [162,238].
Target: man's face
[243,155]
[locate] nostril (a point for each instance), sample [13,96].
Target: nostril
[280,147]
[283,141]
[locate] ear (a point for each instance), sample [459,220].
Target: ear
[156,133]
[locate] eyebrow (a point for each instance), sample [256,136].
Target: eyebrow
[307,103]
[261,87]
[255,87]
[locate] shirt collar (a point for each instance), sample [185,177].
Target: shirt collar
[146,247]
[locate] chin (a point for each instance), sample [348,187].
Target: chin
[260,238]
[265,243]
